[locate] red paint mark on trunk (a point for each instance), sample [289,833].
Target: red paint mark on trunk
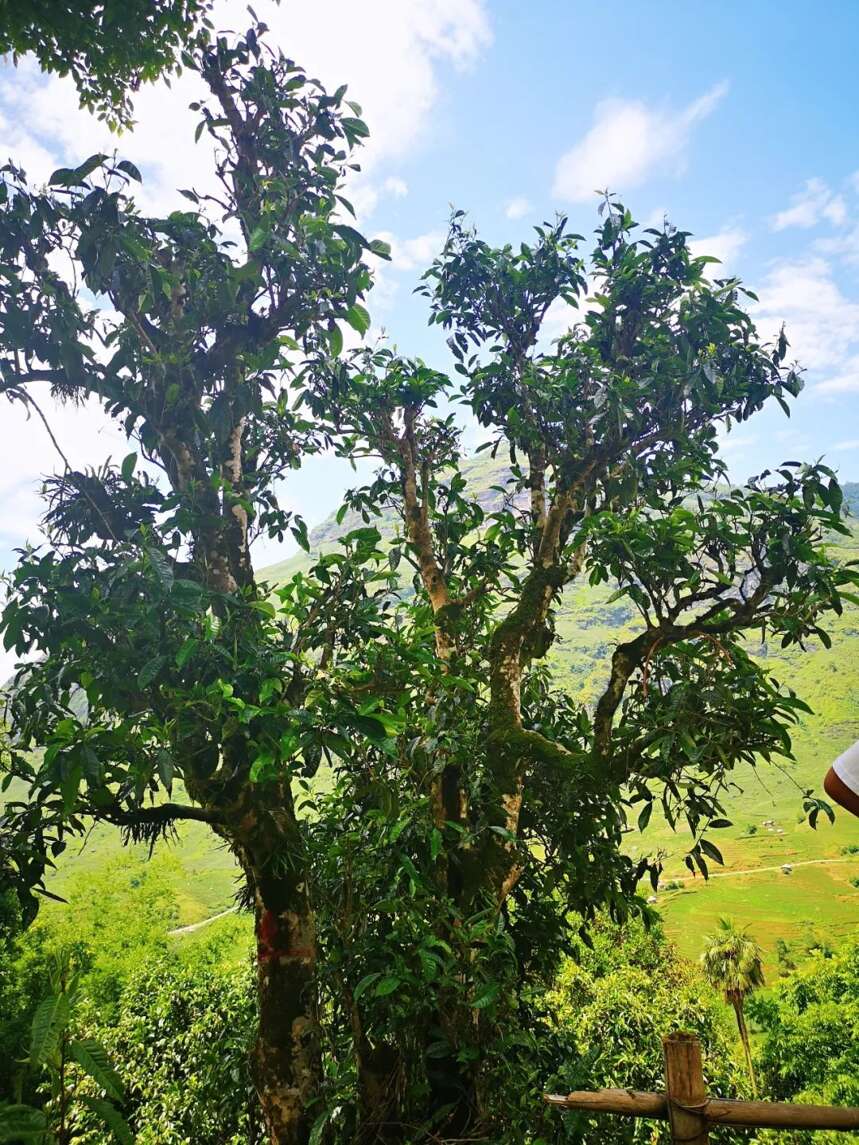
[267,936]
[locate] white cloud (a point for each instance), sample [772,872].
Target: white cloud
[844,246]
[50,130]
[725,246]
[410,255]
[560,318]
[811,205]
[846,445]
[732,442]
[396,187]
[836,211]
[822,325]
[414,253]
[845,381]
[388,52]
[655,218]
[393,55]
[629,141]
[86,437]
[797,441]
[517,208]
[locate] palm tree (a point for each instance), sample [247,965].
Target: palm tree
[732,963]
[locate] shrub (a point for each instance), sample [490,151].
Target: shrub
[612,1009]
[810,1022]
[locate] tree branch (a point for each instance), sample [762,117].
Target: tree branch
[164,813]
[632,654]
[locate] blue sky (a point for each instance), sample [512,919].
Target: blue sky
[737,120]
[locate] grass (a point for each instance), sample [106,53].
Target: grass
[203,878]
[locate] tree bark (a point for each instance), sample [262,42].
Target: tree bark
[744,1038]
[378,1092]
[287,1066]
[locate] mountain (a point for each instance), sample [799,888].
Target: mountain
[484,478]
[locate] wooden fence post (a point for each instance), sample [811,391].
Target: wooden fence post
[684,1083]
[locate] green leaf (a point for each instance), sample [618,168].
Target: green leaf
[49,1021]
[381,248]
[372,728]
[166,768]
[112,1118]
[129,169]
[712,850]
[264,766]
[358,318]
[71,781]
[317,1132]
[355,127]
[186,651]
[836,495]
[92,1057]
[365,982]
[398,829]
[21,1123]
[486,996]
[74,176]
[62,177]
[89,165]
[128,465]
[335,341]
[162,566]
[265,607]
[248,272]
[257,239]
[150,670]
[298,528]
[353,237]
[387,986]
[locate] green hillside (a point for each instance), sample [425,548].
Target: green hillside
[768,829]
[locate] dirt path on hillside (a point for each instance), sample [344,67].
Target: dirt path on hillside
[778,867]
[205,922]
[713,875]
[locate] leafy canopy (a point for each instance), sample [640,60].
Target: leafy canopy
[414,895]
[193,332]
[732,961]
[108,47]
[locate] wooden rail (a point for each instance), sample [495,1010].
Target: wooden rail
[690,1111]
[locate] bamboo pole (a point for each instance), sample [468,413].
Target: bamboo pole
[686,1092]
[719,1111]
[782,1115]
[627,1102]
[688,1108]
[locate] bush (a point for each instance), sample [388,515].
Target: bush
[176,1017]
[810,1023]
[612,1009]
[183,1033]
[16,1000]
